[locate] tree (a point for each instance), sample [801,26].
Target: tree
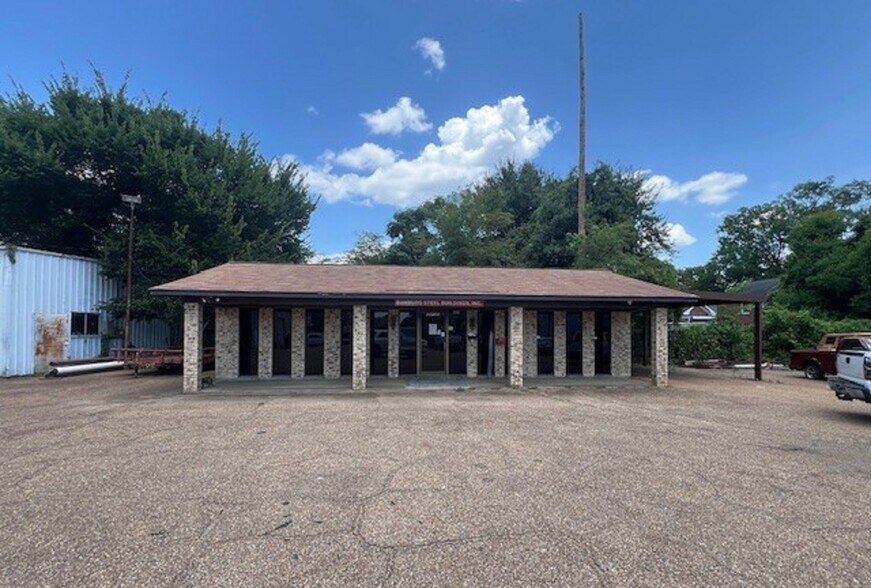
[610,247]
[522,216]
[826,269]
[369,249]
[625,233]
[617,197]
[754,241]
[547,240]
[206,199]
[700,277]
[476,226]
[413,238]
[818,273]
[859,265]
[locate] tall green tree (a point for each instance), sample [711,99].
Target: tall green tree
[828,269]
[413,238]
[754,241]
[700,277]
[206,198]
[522,216]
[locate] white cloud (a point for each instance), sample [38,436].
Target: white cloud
[329,258]
[431,49]
[366,156]
[713,188]
[469,147]
[312,110]
[679,236]
[403,116]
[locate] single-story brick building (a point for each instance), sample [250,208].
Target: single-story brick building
[364,322]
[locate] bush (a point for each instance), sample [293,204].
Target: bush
[724,339]
[784,330]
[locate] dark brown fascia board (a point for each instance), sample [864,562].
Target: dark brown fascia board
[706,297]
[278,298]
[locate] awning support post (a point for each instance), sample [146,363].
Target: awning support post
[757,340]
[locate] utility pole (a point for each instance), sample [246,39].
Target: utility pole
[582,131]
[132,201]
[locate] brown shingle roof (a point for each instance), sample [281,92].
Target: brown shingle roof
[322,281]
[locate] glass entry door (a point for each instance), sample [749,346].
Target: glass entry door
[457,342]
[432,342]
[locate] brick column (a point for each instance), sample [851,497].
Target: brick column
[192,367]
[297,343]
[471,344]
[264,348]
[360,348]
[226,342]
[588,343]
[659,346]
[515,346]
[393,343]
[530,343]
[621,345]
[559,344]
[499,350]
[332,342]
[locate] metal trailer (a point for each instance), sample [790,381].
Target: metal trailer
[160,358]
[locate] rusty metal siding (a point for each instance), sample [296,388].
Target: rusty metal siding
[51,340]
[45,283]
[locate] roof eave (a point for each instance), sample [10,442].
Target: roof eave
[683,300]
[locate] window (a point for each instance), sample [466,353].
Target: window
[545,343]
[347,341]
[314,342]
[849,344]
[85,323]
[408,342]
[281,342]
[574,343]
[249,341]
[378,343]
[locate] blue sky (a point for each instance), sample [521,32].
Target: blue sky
[767,94]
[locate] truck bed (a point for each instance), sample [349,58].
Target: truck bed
[823,358]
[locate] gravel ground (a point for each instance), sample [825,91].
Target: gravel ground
[107,480]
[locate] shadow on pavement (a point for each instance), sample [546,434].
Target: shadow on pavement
[858,418]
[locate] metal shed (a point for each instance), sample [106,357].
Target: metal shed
[50,309]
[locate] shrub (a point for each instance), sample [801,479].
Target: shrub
[784,330]
[724,339]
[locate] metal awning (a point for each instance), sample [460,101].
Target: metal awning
[706,297]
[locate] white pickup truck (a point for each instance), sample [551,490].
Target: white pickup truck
[854,370]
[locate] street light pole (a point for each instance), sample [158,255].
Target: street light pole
[133,201]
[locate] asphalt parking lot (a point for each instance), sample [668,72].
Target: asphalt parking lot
[107,480]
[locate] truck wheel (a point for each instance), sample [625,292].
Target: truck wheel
[813,372]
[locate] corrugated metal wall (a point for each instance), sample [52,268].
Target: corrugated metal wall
[44,283]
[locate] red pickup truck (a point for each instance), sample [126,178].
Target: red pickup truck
[819,362]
